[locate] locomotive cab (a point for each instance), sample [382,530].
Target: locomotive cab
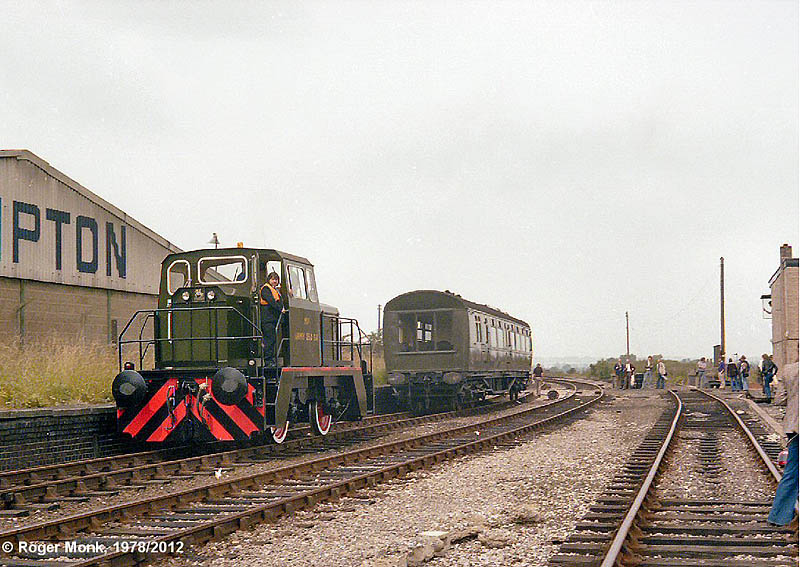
[212,377]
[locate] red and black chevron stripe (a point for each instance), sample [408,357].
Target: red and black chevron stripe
[234,422]
[152,421]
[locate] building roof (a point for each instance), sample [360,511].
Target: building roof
[25,155]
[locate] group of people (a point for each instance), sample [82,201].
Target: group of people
[626,374]
[736,373]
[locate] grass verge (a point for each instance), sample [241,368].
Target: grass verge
[55,372]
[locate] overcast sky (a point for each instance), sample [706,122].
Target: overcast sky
[563,161]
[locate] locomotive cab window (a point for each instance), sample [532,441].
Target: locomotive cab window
[178,276]
[297,282]
[311,285]
[222,270]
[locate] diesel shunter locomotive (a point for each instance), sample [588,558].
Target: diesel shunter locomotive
[210,377]
[444,352]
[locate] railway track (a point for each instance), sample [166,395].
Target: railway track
[48,487]
[681,499]
[124,534]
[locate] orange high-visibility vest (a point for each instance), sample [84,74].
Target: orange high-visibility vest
[275,294]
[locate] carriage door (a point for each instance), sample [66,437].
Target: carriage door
[304,316]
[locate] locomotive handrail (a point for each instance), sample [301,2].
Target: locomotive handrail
[151,313]
[279,348]
[355,346]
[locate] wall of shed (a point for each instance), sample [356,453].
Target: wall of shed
[64,268]
[34,311]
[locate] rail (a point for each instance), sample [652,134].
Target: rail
[622,534]
[613,555]
[749,434]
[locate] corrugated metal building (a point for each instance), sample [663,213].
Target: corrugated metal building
[784,296]
[71,264]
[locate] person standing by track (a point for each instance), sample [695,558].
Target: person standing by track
[661,368]
[783,506]
[721,372]
[702,366]
[768,371]
[647,381]
[538,373]
[630,369]
[619,372]
[744,374]
[733,375]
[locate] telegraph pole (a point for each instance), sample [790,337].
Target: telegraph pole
[627,336]
[379,317]
[722,307]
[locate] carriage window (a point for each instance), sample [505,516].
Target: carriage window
[312,285]
[425,331]
[406,331]
[177,275]
[222,270]
[297,282]
[478,331]
[444,330]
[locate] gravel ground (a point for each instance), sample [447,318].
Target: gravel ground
[739,476]
[67,507]
[525,499]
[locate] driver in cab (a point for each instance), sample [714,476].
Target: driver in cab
[271,309]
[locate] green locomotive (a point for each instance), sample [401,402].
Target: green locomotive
[445,352]
[211,377]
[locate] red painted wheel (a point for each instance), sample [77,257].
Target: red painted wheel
[279,435]
[320,421]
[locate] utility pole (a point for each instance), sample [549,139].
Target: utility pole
[722,307]
[379,317]
[627,336]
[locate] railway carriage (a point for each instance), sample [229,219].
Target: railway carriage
[210,377]
[443,351]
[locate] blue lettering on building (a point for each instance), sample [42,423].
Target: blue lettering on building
[120,257]
[58,217]
[81,223]
[31,235]
[27,229]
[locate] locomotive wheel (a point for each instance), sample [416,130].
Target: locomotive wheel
[279,435]
[320,421]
